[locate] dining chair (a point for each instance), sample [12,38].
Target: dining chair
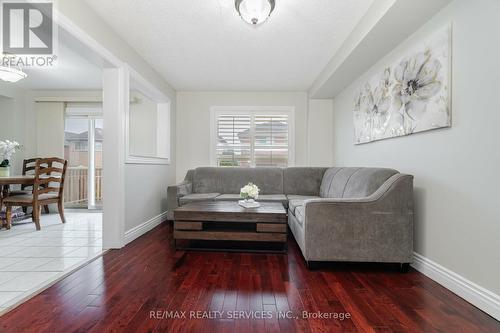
[28,169]
[48,188]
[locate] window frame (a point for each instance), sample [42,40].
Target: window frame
[252,111]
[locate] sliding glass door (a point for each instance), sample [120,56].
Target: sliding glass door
[83,138]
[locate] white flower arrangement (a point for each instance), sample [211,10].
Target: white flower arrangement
[249,191]
[7,149]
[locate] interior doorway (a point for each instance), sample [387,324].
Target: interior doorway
[83,142]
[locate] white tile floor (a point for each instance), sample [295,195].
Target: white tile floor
[31,260]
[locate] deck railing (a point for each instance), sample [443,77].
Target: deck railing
[76,186]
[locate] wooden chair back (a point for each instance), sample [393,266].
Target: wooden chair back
[29,166]
[49,177]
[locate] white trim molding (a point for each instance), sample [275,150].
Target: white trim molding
[478,296]
[115,97]
[142,228]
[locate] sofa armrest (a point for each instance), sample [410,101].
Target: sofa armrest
[398,181]
[375,228]
[174,193]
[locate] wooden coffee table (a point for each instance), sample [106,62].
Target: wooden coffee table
[225,222]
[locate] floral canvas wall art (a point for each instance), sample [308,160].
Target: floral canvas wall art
[412,95]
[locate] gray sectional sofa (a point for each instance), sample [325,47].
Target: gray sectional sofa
[335,214]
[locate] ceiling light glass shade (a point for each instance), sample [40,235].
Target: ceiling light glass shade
[255,12]
[10,74]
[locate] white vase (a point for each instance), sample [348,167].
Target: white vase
[4,171]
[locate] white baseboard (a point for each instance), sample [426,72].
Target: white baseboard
[480,297]
[142,228]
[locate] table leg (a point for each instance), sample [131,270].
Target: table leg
[8,215]
[4,191]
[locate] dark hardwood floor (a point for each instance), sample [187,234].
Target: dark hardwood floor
[120,291]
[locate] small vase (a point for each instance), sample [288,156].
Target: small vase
[249,200]
[4,171]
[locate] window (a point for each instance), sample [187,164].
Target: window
[83,138]
[81,146]
[233,140]
[252,137]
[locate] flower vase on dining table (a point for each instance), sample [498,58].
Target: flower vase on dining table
[7,150]
[5,171]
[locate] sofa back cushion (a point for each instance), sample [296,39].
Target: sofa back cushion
[228,180]
[205,180]
[353,182]
[326,183]
[302,181]
[189,176]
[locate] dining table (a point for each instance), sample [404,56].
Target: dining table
[8,181]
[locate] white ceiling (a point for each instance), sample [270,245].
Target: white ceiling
[204,45]
[77,68]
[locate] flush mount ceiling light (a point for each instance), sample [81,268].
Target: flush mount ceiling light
[9,73]
[255,12]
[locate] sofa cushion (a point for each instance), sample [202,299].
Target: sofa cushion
[295,201]
[353,182]
[304,181]
[273,198]
[231,180]
[263,197]
[326,183]
[365,181]
[338,181]
[301,197]
[206,180]
[196,197]
[228,197]
[293,204]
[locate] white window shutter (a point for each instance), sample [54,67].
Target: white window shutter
[271,140]
[252,139]
[233,140]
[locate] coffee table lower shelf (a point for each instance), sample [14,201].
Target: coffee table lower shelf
[230,236]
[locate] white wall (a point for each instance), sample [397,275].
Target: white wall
[38,127]
[143,115]
[12,121]
[313,118]
[8,124]
[50,129]
[193,122]
[6,116]
[41,115]
[138,192]
[146,184]
[456,170]
[320,132]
